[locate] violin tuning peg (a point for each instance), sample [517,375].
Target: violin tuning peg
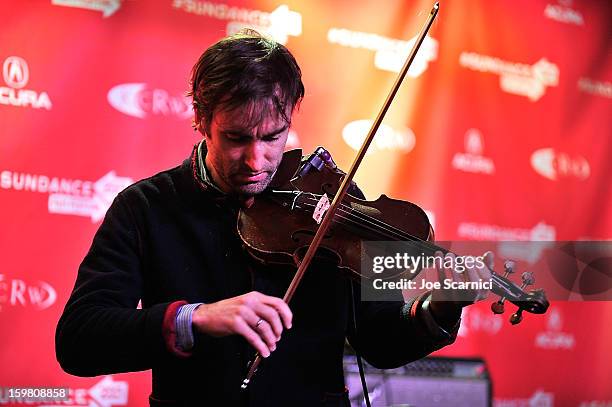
[498,307]
[528,279]
[516,317]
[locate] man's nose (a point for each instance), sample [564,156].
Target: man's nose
[255,156]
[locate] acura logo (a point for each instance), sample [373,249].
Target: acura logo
[15,71]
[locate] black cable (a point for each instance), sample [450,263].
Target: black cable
[364,385]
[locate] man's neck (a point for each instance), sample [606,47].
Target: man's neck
[205,174]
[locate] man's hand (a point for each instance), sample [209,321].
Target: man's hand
[257,317]
[446,304]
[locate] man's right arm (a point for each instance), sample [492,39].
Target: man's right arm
[100,330]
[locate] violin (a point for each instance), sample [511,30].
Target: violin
[293,203]
[306,224]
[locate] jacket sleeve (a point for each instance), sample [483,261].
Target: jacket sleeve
[390,334]
[100,330]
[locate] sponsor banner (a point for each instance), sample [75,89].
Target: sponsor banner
[278,24]
[540,398]
[90,199]
[594,87]
[389,53]
[473,160]
[16,74]
[481,231]
[386,139]
[564,12]
[498,120]
[476,321]
[555,165]
[554,337]
[17,292]
[106,7]
[515,77]
[139,100]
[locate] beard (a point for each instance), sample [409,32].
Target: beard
[250,188]
[241,187]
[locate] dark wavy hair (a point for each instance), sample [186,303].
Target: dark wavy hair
[241,70]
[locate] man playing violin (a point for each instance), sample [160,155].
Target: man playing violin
[170,241]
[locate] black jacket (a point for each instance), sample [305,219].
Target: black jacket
[166,239]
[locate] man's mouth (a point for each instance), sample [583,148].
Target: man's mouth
[251,178]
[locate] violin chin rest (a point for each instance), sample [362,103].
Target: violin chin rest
[287,168]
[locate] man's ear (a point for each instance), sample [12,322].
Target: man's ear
[204,129]
[198,124]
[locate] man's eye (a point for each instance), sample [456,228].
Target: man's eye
[236,139]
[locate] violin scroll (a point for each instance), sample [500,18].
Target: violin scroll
[533,301]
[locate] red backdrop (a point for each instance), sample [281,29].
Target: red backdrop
[502,132]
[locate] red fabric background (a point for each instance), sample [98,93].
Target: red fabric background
[485,160]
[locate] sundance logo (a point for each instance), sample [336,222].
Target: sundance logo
[554,165]
[473,160]
[108,393]
[278,24]
[69,196]
[16,75]
[107,7]
[135,99]
[479,231]
[386,138]
[514,77]
[390,53]
[14,292]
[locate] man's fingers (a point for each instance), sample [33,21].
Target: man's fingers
[265,332]
[281,307]
[258,322]
[271,316]
[252,337]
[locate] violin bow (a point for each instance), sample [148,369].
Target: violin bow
[346,182]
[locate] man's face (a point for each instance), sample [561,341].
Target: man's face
[242,156]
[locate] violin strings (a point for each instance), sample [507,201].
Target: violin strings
[388,231]
[500,286]
[418,243]
[397,231]
[367,218]
[378,225]
[381,224]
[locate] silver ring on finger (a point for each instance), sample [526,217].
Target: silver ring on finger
[258,323]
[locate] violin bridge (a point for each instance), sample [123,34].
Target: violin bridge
[322,207]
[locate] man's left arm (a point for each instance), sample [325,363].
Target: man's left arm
[391,334]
